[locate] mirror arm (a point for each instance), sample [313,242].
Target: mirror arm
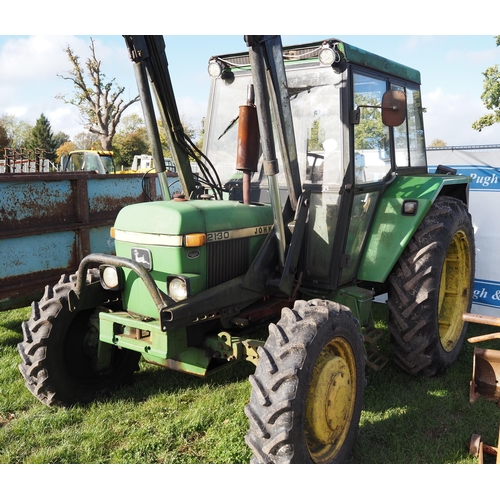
[355,114]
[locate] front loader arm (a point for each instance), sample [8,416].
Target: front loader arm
[273,102]
[150,61]
[267,50]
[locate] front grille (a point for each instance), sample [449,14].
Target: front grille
[227,260]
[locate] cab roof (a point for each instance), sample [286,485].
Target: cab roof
[349,53]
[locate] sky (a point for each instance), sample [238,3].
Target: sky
[451,65]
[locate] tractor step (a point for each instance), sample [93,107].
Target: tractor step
[374,358]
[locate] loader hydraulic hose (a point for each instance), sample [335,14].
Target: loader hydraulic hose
[257,61]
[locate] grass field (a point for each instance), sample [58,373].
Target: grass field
[167,417]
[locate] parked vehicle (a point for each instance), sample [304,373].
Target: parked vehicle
[88,161]
[144,163]
[313,197]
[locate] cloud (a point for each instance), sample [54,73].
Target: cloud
[483,57]
[62,119]
[28,74]
[450,116]
[18,111]
[35,58]
[29,81]
[413,43]
[192,111]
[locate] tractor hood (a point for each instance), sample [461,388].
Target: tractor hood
[197,216]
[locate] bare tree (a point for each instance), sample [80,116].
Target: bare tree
[100,104]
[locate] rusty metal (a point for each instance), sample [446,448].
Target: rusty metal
[481,319]
[483,338]
[248,139]
[24,161]
[50,221]
[485,375]
[486,362]
[478,448]
[498,446]
[485,380]
[247,156]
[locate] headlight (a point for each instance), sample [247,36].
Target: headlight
[327,55]
[178,288]
[410,207]
[111,277]
[214,68]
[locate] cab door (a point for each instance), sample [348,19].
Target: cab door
[371,160]
[345,189]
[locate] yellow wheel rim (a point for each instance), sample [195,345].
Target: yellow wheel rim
[454,291]
[330,401]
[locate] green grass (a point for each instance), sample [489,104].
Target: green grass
[168,417]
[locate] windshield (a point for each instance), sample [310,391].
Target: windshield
[107,162]
[90,161]
[315,103]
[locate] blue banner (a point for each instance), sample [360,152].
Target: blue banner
[483,178]
[486,293]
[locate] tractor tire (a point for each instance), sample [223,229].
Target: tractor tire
[430,288]
[308,387]
[59,351]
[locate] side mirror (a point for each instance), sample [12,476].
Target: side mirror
[393,108]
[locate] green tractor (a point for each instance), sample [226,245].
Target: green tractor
[302,245]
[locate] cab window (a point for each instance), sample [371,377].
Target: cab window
[92,162]
[371,137]
[75,163]
[409,136]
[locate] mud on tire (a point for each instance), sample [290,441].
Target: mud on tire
[59,351]
[430,288]
[307,390]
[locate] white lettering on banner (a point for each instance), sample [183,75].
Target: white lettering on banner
[484,180]
[492,295]
[483,294]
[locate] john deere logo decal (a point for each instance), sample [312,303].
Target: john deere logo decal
[193,254]
[142,256]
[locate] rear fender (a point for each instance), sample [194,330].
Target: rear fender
[391,229]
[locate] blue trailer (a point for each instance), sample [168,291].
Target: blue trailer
[50,221]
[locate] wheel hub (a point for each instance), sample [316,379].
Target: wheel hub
[454,290]
[330,402]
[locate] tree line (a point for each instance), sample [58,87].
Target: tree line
[18,134]
[101,108]
[130,139]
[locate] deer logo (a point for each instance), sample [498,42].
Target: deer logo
[142,256]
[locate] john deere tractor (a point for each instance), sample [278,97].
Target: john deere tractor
[311,197]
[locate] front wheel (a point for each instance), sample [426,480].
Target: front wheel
[430,288]
[60,349]
[307,390]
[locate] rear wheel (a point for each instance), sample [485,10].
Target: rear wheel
[307,391]
[430,288]
[59,351]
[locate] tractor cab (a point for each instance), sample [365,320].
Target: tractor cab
[357,122]
[327,99]
[89,161]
